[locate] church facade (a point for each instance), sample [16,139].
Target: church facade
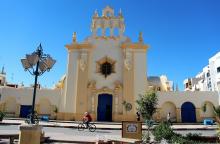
[104,71]
[105,75]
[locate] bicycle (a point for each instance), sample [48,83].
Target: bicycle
[28,119]
[83,126]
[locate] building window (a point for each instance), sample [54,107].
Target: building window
[106,69]
[208,74]
[190,83]
[105,66]
[186,85]
[218,70]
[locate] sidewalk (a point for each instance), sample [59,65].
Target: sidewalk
[106,125]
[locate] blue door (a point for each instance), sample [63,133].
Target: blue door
[188,112]
[104,110]
[25,110]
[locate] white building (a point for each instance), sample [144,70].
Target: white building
[214,65]
[159,83]
[2,77]
[208,79]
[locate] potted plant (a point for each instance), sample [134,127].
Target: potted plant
[2,115]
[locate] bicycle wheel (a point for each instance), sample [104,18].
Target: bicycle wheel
[92,127]
[81,127]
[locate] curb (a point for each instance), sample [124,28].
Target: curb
[75,127]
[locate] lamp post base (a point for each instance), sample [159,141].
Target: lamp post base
[30,134]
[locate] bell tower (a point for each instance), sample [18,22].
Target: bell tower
[107,20]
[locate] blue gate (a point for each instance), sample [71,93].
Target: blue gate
[188,112]
[104,109]
[25,110]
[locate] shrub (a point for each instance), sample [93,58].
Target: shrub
[2,115]
[163,131]
[217,111]
[178,139]
[193,136]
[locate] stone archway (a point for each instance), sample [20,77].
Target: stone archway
[188,112]
[209,112]
[168,107]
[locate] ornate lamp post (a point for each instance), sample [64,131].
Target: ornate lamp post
[37,63]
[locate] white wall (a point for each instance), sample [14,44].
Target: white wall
[70,87]
[214,63]
[140,74]
[111,49]
[196,97]
[24,96]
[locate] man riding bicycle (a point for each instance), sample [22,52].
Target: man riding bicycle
[87,119]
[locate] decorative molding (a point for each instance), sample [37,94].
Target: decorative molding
[92,85]
[75,46]
[118,86]
[128,60]
[104,60]
[134,46]
[83,61]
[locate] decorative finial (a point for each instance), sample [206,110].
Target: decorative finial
[3,70]
[40,47]
[96,13]
[120,13]
[177,88]
[140,38]
[74,37]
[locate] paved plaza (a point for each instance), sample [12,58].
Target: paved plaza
[66,131]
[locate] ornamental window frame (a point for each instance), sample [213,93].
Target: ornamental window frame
[101,62]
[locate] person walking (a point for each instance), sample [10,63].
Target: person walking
[169,119]
[138,116]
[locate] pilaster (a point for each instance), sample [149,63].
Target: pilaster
[128,82]
[82,83]
[198,116]
[178,115]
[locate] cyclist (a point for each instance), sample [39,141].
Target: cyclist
[87,119]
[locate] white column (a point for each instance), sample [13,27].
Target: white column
[140,73]
[71,83]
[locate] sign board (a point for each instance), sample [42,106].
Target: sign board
[132,129]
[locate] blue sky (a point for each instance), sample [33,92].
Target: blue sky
[182,34]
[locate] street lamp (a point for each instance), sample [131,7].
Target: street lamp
[37,63]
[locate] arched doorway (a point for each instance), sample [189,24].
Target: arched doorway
[188,112]
[168,107]
[209,112]
[104,109]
